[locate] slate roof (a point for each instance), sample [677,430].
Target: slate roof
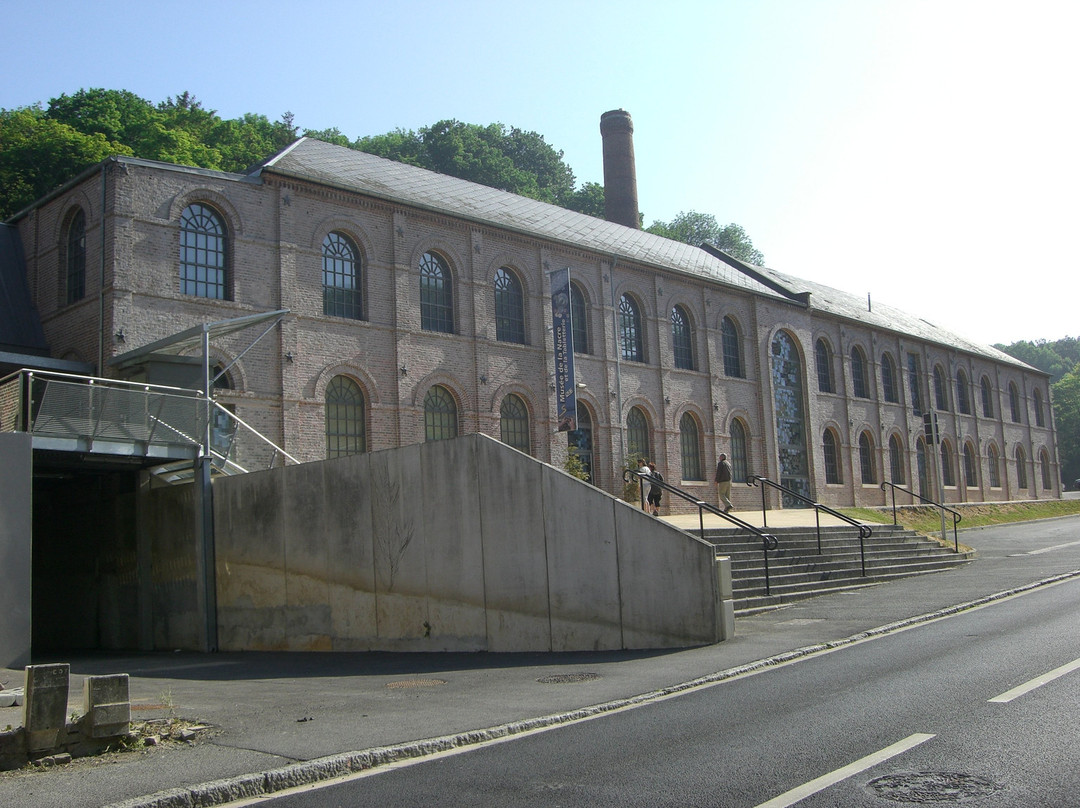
[352,170]
[357,171]
[883,317]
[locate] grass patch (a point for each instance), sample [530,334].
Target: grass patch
[927,520]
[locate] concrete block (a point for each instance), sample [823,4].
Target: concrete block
[45,707]
[723,573]
[727,619]
[106,705]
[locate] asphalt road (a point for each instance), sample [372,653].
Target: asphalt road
[922,716]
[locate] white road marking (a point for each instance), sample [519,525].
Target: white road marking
[1038,681]
[832,778]
[1051,549]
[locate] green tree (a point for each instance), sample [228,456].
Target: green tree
[38,154]
[696,228]
[589,199]
[1066,396]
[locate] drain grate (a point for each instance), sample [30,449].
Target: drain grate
[568,678]
[416,683]
[931,787]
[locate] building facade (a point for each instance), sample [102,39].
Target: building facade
[420,309]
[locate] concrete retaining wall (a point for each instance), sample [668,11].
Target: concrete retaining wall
[16,553]
[462,545]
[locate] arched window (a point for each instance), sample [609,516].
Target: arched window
[971,476]
[866,459]
[579,441]
[509,307]
[740,452]
[941,397]
[888,379]
[987,398]
[345,418]
[831,454]
[690,448]
[860,385]
[1014,403]
[203,264]
[514,423]
[436,295]
[76,257]
[637,432]
[729,336]
[896,460]
[963,401]
[342,288]
[1037,401]
[993,466]
[915,383]
[1044,463]
[579,316]
[823,360]
[948,478]
[440,414]
[1021,467]
[630,338]
[682,342]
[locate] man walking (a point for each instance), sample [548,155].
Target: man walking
[723,482]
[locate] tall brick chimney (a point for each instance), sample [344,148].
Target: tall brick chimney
[620,175]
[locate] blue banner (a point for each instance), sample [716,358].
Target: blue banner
[563,334]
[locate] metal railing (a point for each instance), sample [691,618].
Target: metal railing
[955,514]
[86,413]
[769,542]
[166,424]
[865,531]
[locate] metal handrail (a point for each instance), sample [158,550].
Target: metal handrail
[865,531]
[768,540]
[956,514]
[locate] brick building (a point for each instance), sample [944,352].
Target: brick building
[419,307]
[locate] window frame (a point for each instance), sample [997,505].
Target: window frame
[682,338]
[867,466]
[888,379]
[896,460]
[631,336]
[731,346]
[198,245]
[740,451]
[347,398]
[637,432]
[440,414]
[75,258]
[342,277]
[436,294]
[830,452]
[690,448]
[579,318]
[509,306]
[823,361]
[514,427]
[860,379]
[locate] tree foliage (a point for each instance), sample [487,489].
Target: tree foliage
[696,228]
[1056,358]
[41,149]
[1066,396]
[1061,359]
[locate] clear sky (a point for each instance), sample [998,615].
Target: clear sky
[925,153]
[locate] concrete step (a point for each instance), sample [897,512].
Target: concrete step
[802,566]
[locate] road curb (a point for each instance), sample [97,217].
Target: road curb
[263,784]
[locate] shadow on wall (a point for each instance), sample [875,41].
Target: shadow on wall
[459,545]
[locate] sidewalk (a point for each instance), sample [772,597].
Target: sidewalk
[282,710]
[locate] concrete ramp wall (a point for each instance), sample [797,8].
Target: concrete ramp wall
[462,545]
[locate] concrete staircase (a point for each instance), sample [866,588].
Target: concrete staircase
[798,571]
